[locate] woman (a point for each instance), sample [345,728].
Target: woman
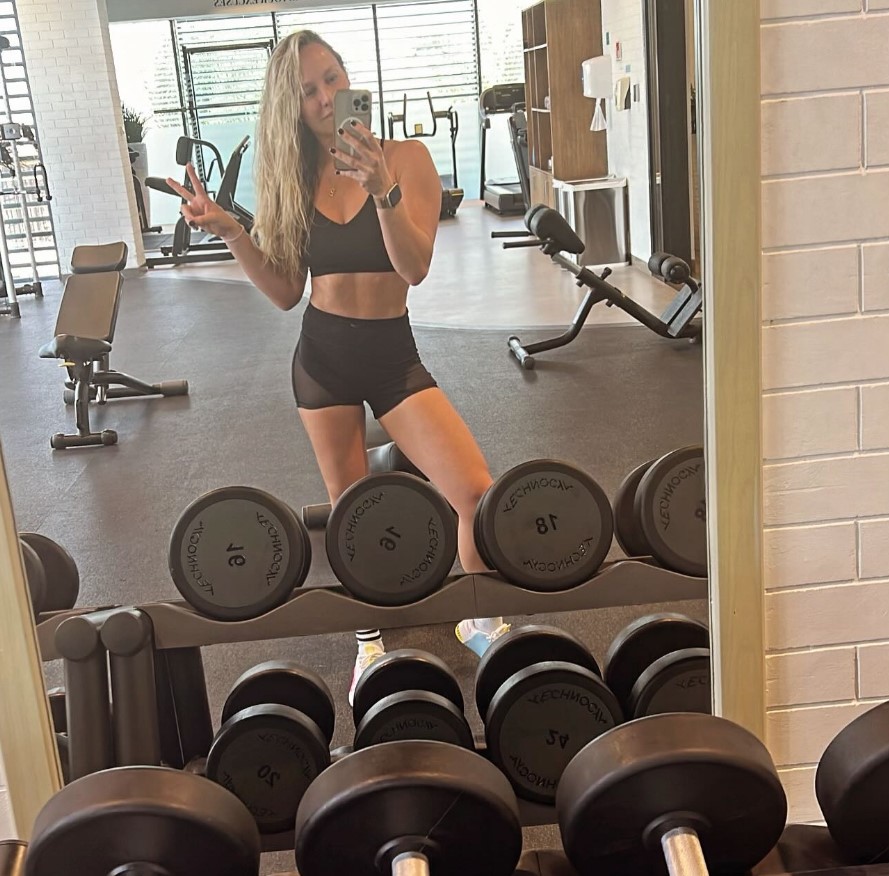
[365,235]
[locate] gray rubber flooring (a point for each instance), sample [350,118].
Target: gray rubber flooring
[615,397]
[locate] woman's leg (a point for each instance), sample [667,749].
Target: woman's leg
[434,437]
[428,429]
[337,435]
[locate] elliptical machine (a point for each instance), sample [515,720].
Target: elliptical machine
[183,251]
[451,195]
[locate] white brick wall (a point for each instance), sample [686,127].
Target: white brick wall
[628,130]
[825,153]
[71,70]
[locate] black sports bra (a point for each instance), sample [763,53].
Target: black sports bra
[355,247]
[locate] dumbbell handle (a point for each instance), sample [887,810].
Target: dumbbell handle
[410,864]
[683,853]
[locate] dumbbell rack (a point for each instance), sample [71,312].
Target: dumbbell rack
[129,641]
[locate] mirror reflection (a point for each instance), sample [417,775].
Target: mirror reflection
[527,387]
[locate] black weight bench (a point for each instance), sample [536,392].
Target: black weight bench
[84,333]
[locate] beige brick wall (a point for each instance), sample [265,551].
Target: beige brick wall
[825,152]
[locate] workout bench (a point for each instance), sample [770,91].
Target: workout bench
[84,333]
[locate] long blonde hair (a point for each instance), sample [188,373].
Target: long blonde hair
[286,163]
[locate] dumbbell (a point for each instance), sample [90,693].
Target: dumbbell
[277,723]
[135,821]
[238,552]
[541,696]
[654,791]
[391,539]
[409,694]
[660,510]
[385,457]
[660,663]
[850,784]
[51,573]
[409,808]
[545,525]
[12,857]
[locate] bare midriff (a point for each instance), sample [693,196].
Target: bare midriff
[363,296]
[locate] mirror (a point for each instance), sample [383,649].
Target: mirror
[109,511]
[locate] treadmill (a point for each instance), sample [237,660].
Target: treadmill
[500,195]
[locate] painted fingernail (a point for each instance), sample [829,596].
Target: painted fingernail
[353,123]
[332,150]
[337,173]
[339,130]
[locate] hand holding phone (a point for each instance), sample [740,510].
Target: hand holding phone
[348,104]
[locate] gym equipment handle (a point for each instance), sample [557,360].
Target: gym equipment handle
[410,864]
[682,852]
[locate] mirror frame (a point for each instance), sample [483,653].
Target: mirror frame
[728,51]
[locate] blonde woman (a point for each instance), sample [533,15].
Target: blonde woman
[365,235]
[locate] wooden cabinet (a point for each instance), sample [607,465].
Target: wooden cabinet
[557,36]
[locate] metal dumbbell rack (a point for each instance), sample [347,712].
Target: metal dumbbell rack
[139,646]
[26,225]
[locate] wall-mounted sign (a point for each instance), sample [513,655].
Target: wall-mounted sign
[139,10]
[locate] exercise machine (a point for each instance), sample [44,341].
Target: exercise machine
[518,138]
[451,194]
[84,333]
[141,208]
[502,196]
[184,250]
[551,232]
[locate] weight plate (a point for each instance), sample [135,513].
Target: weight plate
[267,756]
[404,669]
[677,682]
[160,820]
[627,528]
[546,525]
[448,802]
[477,534]
[413,714]
[391,539]
[671,507]
[521,647]
[283,683]
[62,576]
[35,577]
[642,642]
[238,552]
[707,771]
[540,718]
[850,784]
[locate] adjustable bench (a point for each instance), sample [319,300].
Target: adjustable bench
[83,336]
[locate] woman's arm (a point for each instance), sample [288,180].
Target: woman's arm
[410,227]
[283,292]
[201,211]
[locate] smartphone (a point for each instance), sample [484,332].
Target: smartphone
[348,104]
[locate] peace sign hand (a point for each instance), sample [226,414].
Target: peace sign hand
[200,210]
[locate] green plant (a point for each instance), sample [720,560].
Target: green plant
[134,124]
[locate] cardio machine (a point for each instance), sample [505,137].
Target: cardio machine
[505,195]
[451,194]
[183,249]
[550,231]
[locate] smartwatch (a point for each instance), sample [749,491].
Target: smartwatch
[390,199]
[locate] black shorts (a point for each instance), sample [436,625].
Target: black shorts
[340,360]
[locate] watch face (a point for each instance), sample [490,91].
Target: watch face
[394,195]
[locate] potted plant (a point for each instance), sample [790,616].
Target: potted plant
[134,124]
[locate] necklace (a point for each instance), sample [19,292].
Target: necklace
[331,191]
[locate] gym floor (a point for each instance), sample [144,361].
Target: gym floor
[617,396]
